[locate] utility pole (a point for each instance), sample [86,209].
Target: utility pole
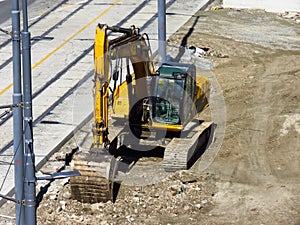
[17,114]
[161,31]
[30,178]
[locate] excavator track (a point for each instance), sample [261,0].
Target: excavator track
[95,183]
[180,151]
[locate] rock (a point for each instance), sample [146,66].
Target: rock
[64,182]
[204,201]
[53,197]
[199,52]
[50,210]
[80,219]
[137,189]
[222,56]
[136,199]
[59,156]
[183,188]
[291,15]
[186,207]
[59,208]
[186,176]
[180,197]
[51,218]
[156,195]
[198,206]
[173,193]
[63,204]
[66,194]
[215,195]
[100,204]
[176,188]
[94,207]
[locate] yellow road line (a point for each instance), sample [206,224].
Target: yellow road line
[66,41]
[7,88]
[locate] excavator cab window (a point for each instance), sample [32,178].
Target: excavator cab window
[174,93]
[168,100]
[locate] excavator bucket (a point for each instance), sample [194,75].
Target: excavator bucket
[96,181]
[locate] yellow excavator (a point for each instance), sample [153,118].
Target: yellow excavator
[138,107]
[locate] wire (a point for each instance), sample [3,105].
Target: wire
[9,111]
[10,199]
[7,172]
[4,114]
[11,163]
[10,106]
[2,162]
[5,31]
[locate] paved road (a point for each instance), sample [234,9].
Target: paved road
[62,65]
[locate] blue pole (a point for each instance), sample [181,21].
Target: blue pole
[30,178]
[161,31]
[17,114]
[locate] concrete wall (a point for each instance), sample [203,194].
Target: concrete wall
[268,5]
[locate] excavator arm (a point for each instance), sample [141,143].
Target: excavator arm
[129,45]
[101,83]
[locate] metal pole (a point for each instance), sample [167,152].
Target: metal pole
[17,113]
[161,31]
[30,179]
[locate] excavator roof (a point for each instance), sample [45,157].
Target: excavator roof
[177,70]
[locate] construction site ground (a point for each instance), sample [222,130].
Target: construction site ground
[255,177]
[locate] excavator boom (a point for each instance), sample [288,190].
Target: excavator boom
[130,45]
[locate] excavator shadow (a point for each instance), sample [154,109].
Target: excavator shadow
[124,160]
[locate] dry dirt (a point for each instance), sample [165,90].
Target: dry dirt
[255,177]
[257,169]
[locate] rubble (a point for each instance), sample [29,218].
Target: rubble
[179,191]
[295,16]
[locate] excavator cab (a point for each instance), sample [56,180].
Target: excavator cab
[174,93]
